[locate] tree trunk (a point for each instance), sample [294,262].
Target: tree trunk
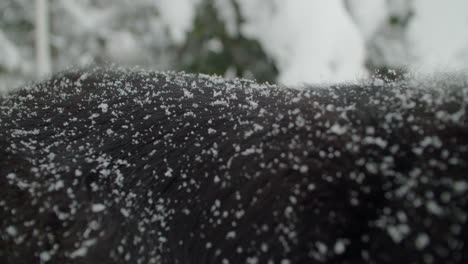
[43,64]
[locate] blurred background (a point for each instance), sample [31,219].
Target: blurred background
[288,41]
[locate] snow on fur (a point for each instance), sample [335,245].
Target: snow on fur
[132,166]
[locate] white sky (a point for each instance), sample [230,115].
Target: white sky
[440,35]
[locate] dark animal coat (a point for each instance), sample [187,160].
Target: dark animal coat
[130,166]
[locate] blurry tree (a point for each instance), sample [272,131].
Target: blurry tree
[83,32]
[16,40]
[16,35]
[216,45]
[388,48]
[10,60]
[123,31]
[131,32]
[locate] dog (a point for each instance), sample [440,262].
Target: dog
[113,165]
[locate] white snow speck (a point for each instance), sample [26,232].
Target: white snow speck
[168,173]
[81,252]
[252,260]
[45,256]
[51,156]
[337,129]
[398,232]
[322,248]
[339,247]
[460,186]
[231,235]
[372,167]
[11,176]
[96,208]
[11,230]
[288,211]
[253,104]
[59,185]
[434,208]
[125,212]
[216,179]
[370,130]
[188,94]
[375,141]
[300,121]
[211,131]
[421,241]
[104,107]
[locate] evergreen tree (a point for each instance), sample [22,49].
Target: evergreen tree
[213,49]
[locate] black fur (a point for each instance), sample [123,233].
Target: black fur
[120,166]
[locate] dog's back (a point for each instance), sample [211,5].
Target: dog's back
[118,166]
